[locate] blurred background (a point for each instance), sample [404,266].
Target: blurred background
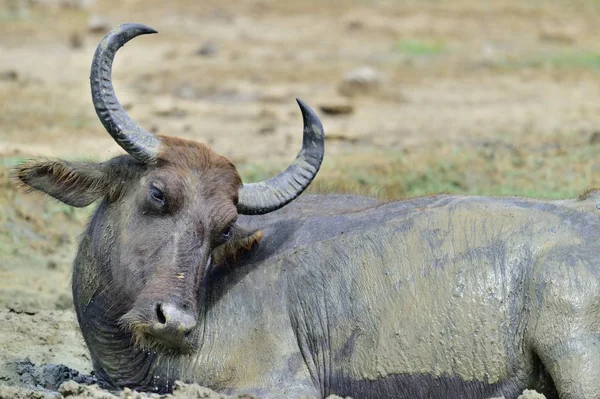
[417,97]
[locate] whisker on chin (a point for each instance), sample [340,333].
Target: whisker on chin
[143,340]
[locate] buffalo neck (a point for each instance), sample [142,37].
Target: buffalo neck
[116,359]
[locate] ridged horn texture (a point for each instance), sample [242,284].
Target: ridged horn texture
[139,143]
[270,195]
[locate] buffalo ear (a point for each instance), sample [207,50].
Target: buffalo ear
[242,241]
[74,183]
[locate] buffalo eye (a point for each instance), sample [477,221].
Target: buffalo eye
[227,233]
[157,195]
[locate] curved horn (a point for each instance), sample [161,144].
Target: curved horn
[139,143]
[270,195]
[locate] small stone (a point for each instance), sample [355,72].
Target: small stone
[64,302]
[187,92]
[337,108]
[208,49]
[361,81]
[595,138]
[98,24]
[9,75]
[267,130]
[166,107]
[127,105]
[354,25]
[52,265]
[76,41]
[558,33]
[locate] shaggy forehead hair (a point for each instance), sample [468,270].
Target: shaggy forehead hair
[218,171]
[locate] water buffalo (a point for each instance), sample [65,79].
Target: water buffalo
[434,297]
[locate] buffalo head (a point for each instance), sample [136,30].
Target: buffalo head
[168,211]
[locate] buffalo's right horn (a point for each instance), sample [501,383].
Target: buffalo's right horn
[270,195]
[139,143]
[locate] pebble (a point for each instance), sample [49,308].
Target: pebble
[208,49]
[361,81]
[9,75]
[334,107]
[595,138]
[98,24]
[76,41]
[167,107]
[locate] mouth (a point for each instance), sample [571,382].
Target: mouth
[149,337]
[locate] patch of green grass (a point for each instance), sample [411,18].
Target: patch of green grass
[564,59]
[419,48]
[10,161]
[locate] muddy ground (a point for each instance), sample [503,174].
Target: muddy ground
[461,96]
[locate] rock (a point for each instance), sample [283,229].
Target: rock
[336,107]
[64,302]
[361,81]
[127,104]
[595,138]
[9,75]
[75,41]
[558,33]
[354,24]
[98,24]
[187,92]
[267,130]
[208,49]
[166,107]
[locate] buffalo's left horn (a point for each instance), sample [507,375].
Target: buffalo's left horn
[270,195]
[139,143]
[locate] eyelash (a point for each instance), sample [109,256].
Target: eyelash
[227,233]
[157,195]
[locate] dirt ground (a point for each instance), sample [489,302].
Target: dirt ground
[459,95]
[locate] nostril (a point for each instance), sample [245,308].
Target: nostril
[160,315]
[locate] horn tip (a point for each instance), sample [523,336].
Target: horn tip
[139,29]
[310,117]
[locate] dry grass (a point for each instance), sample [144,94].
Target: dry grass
[559,167]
